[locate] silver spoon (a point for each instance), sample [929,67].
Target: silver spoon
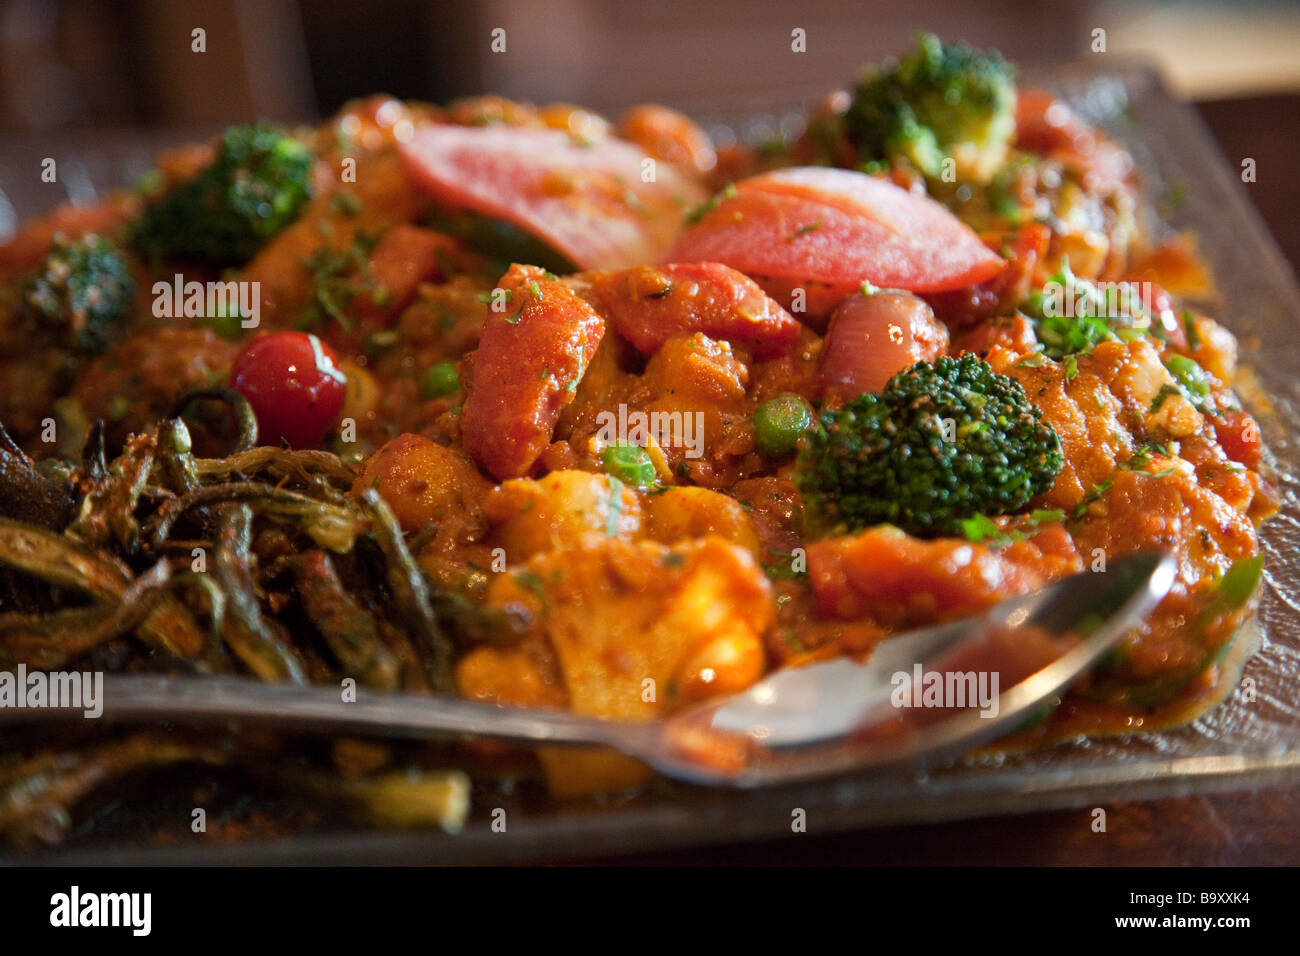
[822,719]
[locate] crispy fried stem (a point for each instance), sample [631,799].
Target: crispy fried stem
[205,562]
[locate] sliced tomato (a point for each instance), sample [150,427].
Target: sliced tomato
[836,228]
[529,361]
[1239,437]
[648,306]
[587,199]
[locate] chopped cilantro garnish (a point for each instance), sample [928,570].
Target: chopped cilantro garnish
[1189,326]
[1097,491]
[1032,360]
[345,203]
[980,528]
[1165,392]
[710,204]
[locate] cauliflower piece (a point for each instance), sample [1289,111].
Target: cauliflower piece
[637,628]
[629,631]
[562,509]
[1144,383]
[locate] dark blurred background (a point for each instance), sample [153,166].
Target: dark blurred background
[125,62]
[69,66]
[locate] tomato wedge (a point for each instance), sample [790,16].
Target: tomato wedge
[835,229]
[588,200]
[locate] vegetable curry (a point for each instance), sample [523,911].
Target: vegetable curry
[548,411]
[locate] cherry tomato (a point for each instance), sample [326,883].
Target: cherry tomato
[293,382]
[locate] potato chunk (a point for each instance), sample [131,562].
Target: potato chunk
[559,510]
[690,512]
[424,483]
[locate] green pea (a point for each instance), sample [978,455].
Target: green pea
[227,322]
[779,423]
[630,464]
[440,380]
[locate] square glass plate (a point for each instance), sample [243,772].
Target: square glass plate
[1239,744]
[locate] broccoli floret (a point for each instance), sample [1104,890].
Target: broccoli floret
[82,292]
[943,441]
[937,102]
[232,207]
